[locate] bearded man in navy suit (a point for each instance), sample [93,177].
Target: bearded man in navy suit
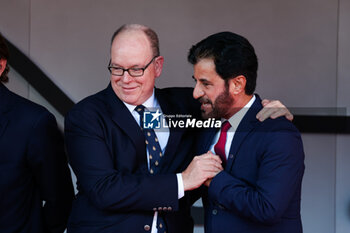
[36,190]
[259,189]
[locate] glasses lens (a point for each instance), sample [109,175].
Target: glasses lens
[136,72]
[116,71]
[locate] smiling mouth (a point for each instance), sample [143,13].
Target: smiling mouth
[129,88]
[206,106]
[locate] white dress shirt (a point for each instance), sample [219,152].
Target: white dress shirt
[163,137]
[234,121]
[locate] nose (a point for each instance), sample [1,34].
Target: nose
[197,92]
[126,78]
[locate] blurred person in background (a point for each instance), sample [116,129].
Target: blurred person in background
[36,190]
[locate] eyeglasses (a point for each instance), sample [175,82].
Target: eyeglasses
[134,72]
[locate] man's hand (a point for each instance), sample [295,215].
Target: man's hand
[273,109]
[201,168]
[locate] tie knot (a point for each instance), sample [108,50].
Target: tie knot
[140,109]
[225,126]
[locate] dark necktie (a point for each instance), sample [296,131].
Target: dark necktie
[155,156]
[219,148]
[152,144]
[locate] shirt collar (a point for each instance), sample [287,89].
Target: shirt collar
[151,102]
[237,118]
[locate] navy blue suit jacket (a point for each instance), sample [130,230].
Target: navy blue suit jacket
[33,169]
[107,152]
[259,190]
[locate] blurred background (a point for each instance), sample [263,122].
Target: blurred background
[304,61]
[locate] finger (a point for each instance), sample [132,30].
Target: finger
[216,164]
[211,156]
[211,175]
[279,112]
[265,113]
[290,116]
[282,112]
[206,155]
[209,166]
[216,158]
[276,114]
[261,113]
[208,160]
[276,104]
[265,101]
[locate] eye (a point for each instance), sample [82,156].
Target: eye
[135,69]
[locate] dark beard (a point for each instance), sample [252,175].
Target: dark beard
[220,107]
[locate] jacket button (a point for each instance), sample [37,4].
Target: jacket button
[214,212]
[170,209]
[147,227]
[165,208]
[231,156]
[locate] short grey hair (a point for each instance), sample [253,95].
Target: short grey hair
[150,33]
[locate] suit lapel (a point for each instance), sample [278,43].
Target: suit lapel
[125,121]
[247,124]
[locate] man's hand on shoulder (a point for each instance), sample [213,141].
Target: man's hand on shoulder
[273,109]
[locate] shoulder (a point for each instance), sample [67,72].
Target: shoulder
[92,103]
[26,116]
[90,112]
[280,124]
[278,135]
[26,109]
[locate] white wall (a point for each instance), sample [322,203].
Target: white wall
[302,46]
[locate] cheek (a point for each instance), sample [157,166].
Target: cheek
[115,78]
[215,95]
[212,95]
[147,84]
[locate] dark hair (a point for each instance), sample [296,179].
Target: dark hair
[4,54]
[151,35]
[233,55]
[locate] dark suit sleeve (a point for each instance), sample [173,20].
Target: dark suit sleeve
[279,175]
[48,161]
[107,188]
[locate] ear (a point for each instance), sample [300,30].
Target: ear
[3,63]
[158,65]
[237,84]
